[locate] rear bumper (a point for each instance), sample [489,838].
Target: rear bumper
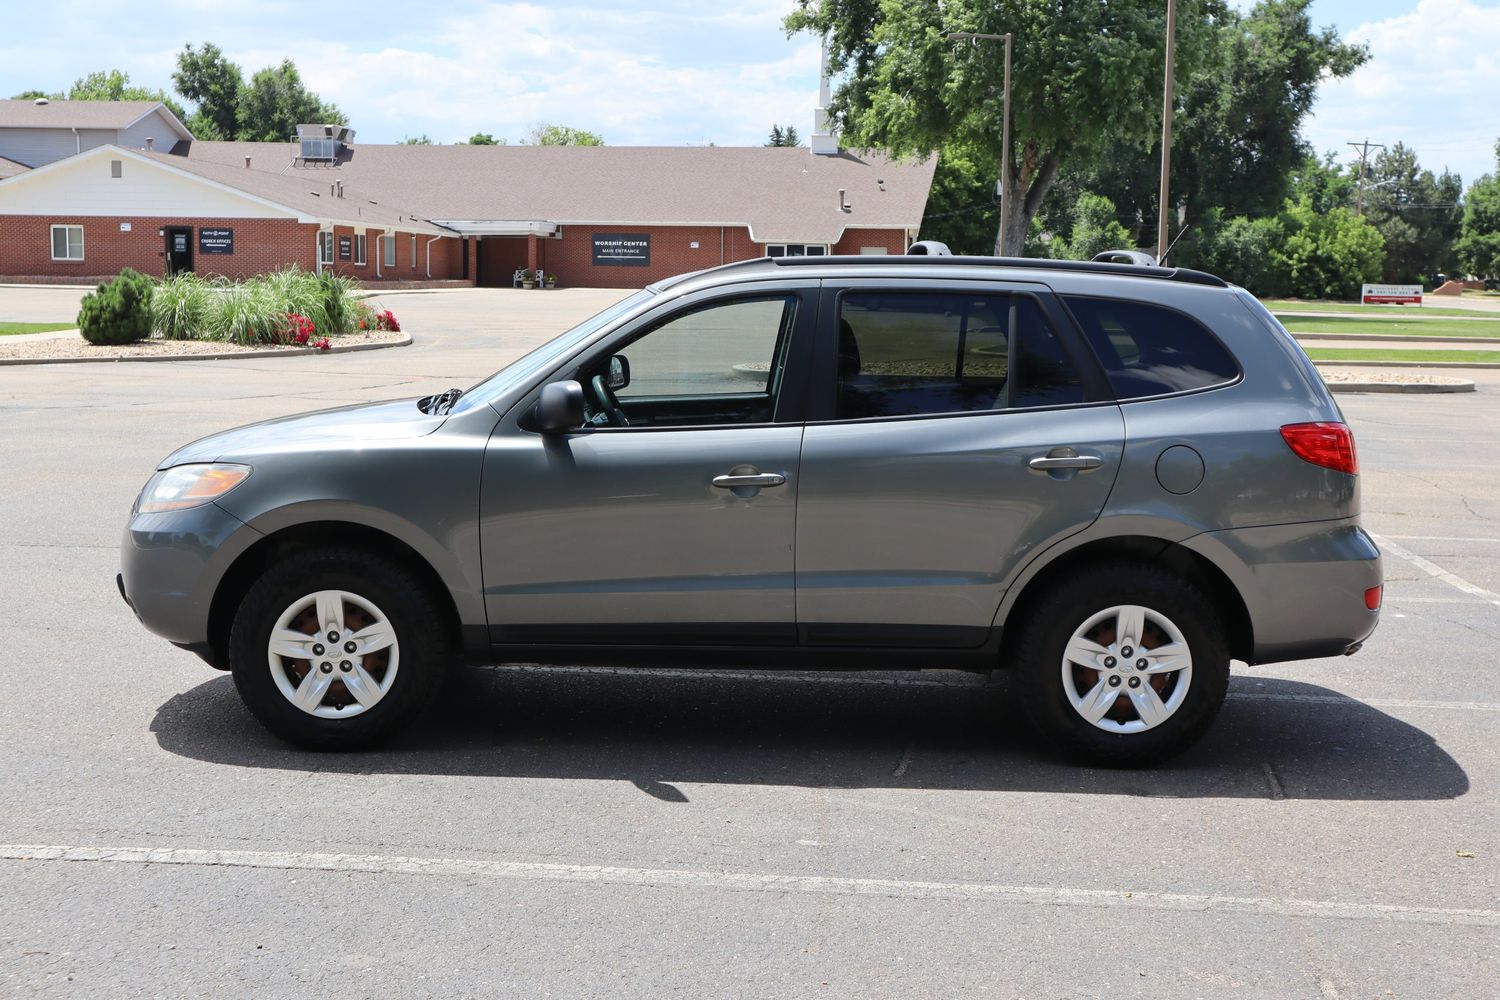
[1303,584]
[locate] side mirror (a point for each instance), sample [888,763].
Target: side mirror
[560,408]
[619,372]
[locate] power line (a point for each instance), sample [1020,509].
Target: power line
[1364,153]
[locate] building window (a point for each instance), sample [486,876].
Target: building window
[389,247]
[115,168]
[796,249]
[325,248]
[67,243]
[359,249]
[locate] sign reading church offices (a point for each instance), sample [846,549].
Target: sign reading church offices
[622,249]
[215,241]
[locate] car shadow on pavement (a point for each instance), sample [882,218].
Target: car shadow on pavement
[1274,739]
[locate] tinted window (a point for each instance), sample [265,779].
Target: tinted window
[907,355]
[721,349]
[1150,351]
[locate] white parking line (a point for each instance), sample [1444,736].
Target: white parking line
[1433,569]
[755,882]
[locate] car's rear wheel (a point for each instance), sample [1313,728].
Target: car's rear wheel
[337,648]
[1123,665]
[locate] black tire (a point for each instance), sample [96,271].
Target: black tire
[425,648]
[1049,626]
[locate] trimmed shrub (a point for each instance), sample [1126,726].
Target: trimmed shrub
[180,307]
[118,311]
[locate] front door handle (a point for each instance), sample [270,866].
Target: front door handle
[1047,463]
[755,480]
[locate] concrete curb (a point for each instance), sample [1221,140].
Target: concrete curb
[1394,338]
[279,352]
[1408,364]
[1414,388]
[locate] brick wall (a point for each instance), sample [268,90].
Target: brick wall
[259,245]
[672,252]
[447,257]
[893,240]
[572,257]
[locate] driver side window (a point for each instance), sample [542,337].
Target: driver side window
[717,364]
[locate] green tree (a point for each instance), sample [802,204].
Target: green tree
[1323,183]
[420,140]
[545,134]
[31,95]
[1235,141]
[1325,255]
[1418,214]
[784,137]
[275,102]
[1081,74]
[1237,250]
[1479,246]
[1095,229]
[962,208]
[215,85]
[115,85]
[484,139]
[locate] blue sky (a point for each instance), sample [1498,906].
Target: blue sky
[675,72]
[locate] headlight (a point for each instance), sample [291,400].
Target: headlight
[187,486]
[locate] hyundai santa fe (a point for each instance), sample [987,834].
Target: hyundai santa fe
[1110,479]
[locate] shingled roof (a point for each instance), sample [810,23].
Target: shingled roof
[781,194]
[9,168]
[80,114]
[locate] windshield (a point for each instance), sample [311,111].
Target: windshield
[529,364]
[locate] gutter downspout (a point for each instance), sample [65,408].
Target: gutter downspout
[77,141]
[429,255]
[380,250]
[721,244]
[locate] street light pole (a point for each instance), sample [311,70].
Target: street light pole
[1005,157]
[1166,136]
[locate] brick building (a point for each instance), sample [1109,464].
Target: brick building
[606,216]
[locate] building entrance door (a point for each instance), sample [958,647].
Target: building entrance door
[179,250]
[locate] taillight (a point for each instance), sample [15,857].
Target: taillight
[1372,598]
[1324,443]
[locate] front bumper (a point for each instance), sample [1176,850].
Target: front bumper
[1303,584]
[171,565]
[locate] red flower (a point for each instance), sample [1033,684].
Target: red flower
[322,345]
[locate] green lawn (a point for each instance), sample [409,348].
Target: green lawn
[1405,326]
[34,327]
[1280,306]
[1370,354]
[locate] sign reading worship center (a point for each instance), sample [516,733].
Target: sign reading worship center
[622,249]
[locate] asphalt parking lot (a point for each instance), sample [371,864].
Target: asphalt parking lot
[572,833]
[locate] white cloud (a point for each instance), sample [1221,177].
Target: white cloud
[1431,83]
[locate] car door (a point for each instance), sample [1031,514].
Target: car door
[671,516]
[954,430]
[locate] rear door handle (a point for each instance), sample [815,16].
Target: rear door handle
[757,480]
[1049,462]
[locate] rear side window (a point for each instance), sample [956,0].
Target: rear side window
[914,354]
[1150,351]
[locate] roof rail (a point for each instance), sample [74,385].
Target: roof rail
[1032,263]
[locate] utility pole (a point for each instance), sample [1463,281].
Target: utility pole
[974,37]
[1162,204]
[1364,153]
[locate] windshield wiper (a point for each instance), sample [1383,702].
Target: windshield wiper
[443,402]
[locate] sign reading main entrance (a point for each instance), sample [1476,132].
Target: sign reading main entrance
[216,241]
[622,249]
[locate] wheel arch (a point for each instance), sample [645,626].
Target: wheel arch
[1146,549]
[249,565]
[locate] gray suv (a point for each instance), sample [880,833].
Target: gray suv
[1111,479]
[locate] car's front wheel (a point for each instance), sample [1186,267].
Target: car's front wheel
[1123,665]
[337,648]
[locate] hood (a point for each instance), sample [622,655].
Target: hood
[339,428]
